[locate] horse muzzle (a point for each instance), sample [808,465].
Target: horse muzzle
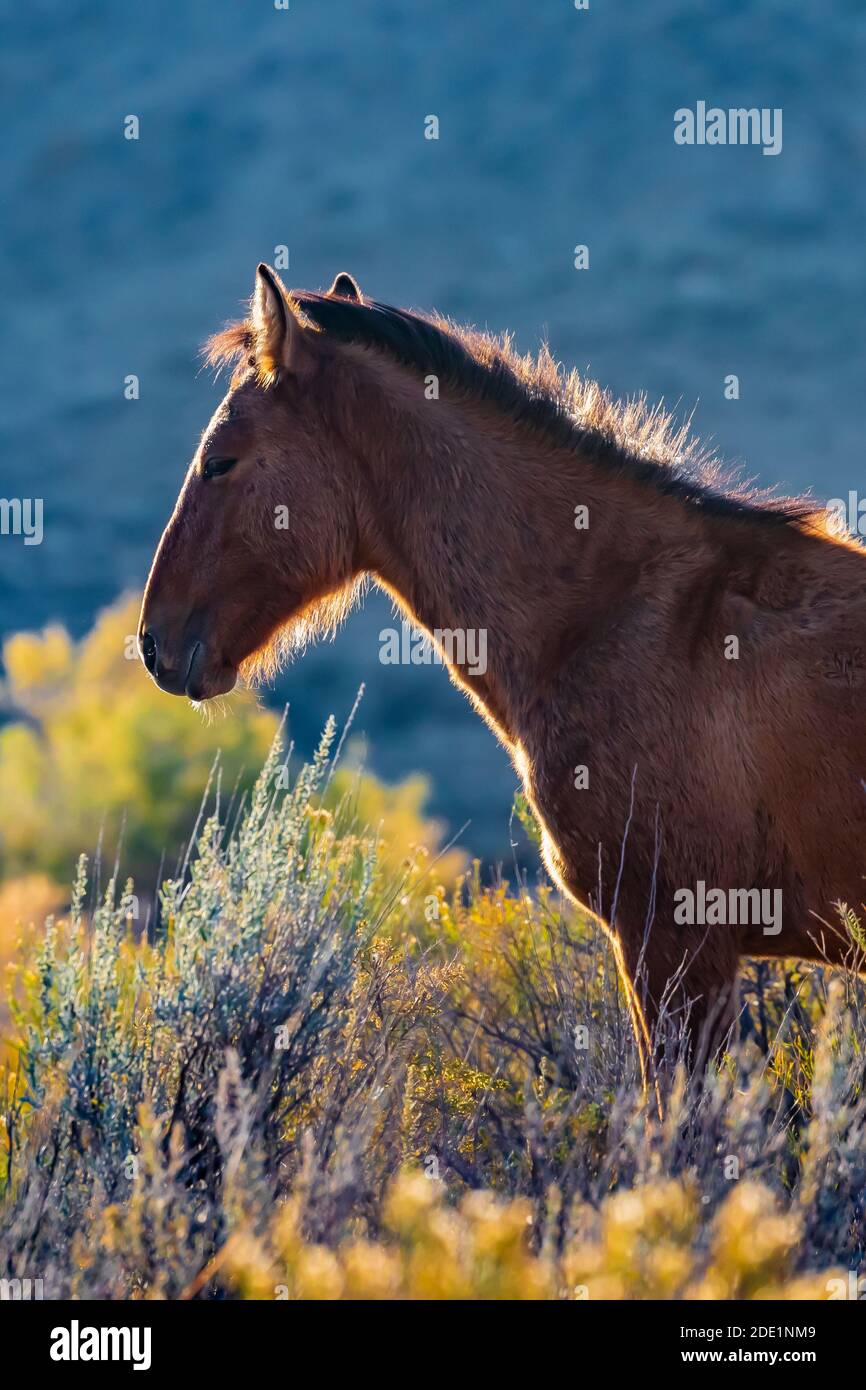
[191,670]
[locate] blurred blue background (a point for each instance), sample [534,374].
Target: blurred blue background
[304,127]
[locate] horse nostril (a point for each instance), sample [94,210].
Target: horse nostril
[148,651]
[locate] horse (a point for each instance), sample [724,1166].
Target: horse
[675,662]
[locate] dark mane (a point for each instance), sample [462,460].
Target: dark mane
[628,437]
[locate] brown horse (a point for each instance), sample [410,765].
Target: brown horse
[677,667]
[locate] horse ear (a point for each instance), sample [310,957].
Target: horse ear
[277,329]
[346,286]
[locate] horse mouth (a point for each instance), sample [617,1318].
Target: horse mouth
[205,681]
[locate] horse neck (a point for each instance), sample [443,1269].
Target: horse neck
[468,521]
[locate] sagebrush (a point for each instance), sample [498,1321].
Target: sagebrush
[318,1073]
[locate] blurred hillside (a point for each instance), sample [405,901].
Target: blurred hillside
[261,127]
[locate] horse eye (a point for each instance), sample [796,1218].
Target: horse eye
[215,467]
